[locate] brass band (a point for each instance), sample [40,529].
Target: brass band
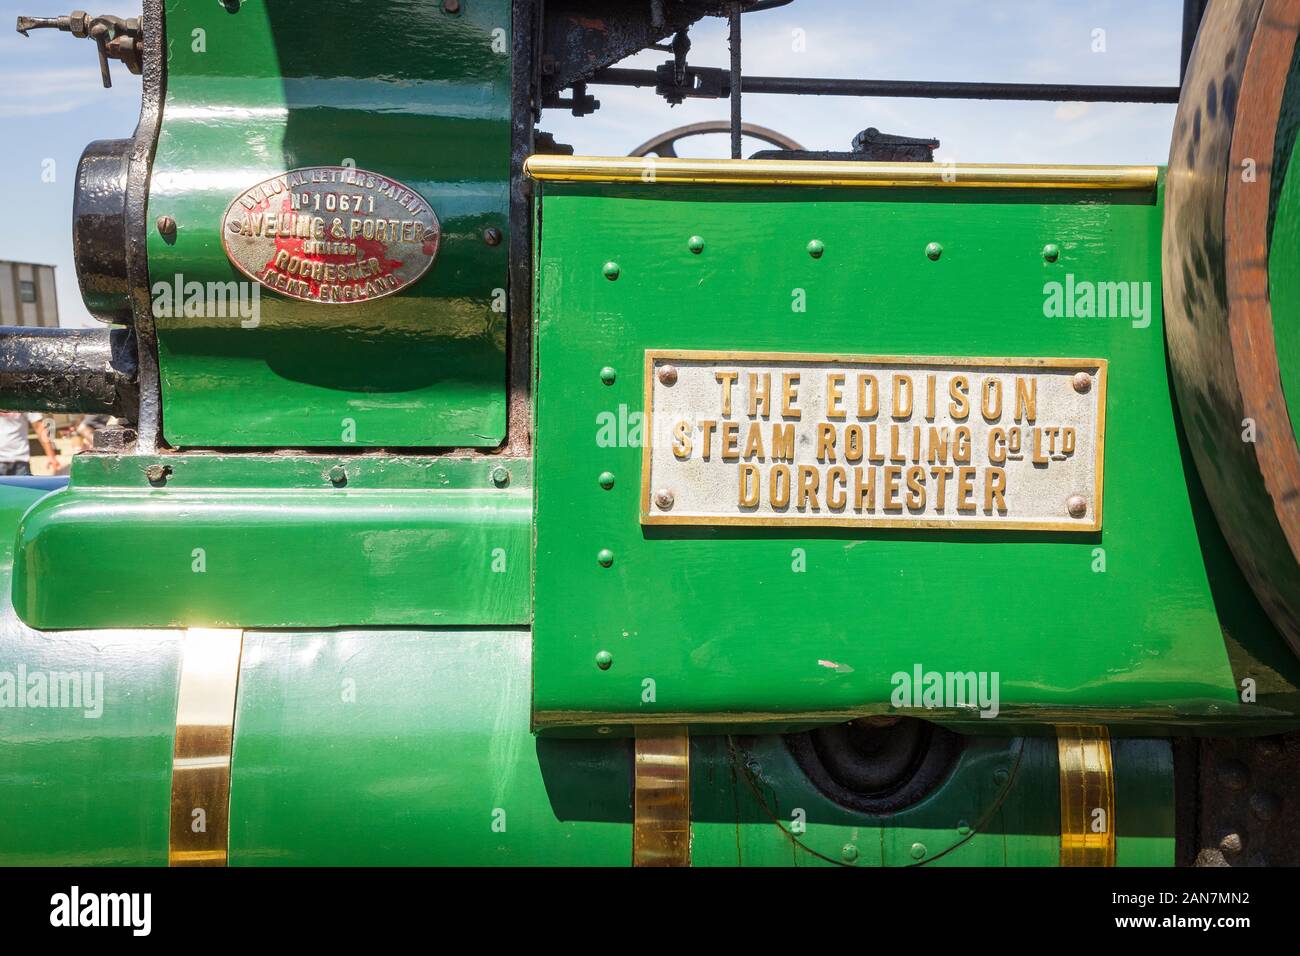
[661,820]
[1087,796]
[205,719]
[784,172]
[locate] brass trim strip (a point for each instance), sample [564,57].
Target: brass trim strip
[661,795]
[1087,796]
[205,725]
[652,170]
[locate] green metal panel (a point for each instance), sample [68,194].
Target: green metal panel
[721,619]
[408,748]
[269,541]
[76,788]
[401,88]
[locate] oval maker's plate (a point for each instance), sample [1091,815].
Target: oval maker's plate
[331,234]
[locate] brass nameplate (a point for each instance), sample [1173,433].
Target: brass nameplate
[788,438]
[331,234]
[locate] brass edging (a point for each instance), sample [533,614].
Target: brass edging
[1087,781]
[661,798]
[651,170]
[649,517]
[205,723]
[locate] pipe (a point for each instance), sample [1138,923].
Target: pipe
[69,370]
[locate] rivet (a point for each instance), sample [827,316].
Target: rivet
[611,270]
[918,851]
[1082,381]
[1051,252]
[166,227]
[934,250]
[606,480]
[602,730]
[339,475]
[232,6]
[1001,775]
[849,853]
[607,375]
[492,236]
[695,244]
[605,557]
[664,498]
[500,476]
[1076,506]
[815,248]
[451,6]
[1231,843]
[963,827]
[668,374]
[158,474]
[604,659]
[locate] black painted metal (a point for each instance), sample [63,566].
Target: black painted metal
[99,229]
[712,81]
[68,370]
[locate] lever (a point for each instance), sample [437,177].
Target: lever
[117,38]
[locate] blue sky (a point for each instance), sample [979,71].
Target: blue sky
[52,104]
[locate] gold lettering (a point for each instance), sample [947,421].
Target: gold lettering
[783,443]
[835,395]
[749,486]
[727,379]
[682,440]
[865,409]
[1027,398]
[825,441]
[790,395]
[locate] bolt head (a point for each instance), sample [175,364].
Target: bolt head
[492,236]
[1230,844]
[158,474]
[816,248]
[500,476]
[918,851]
[611,270]
[451,6]
[608,375]
[934,250]
[605,557]
[668,374]
[339,475]
[1076,506]
[1051,252]
[695,244]
[1082,382]
[604,659]
[664,499]
[166,226]
[606,480]
[849,853]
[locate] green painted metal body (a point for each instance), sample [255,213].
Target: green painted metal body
[270,541]
[738,624]
[408,91]
[412,747]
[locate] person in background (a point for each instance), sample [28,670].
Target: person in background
[15,450]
